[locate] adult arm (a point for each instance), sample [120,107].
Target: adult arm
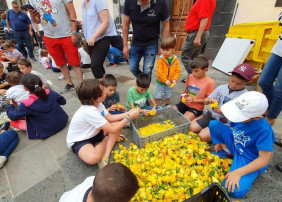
[35,16]
[125,29]
[233,177]
[37,30]
[165,28]
[104,17]
[30,29]
[16,113]
[8,24]
[203,24]
[72,14]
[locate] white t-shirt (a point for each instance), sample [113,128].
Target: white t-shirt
[77,193]
[43,79]
[86,123]
[45,62]
[84,56]
[17,93]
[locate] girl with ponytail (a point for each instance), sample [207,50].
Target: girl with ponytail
[43,114]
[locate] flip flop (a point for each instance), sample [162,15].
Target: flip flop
[121,138]
[278,141]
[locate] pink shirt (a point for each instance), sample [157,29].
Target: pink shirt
[199,89]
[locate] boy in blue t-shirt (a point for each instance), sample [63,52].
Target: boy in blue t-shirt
[249,140]
[112,96]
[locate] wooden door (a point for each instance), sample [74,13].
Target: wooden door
[180,10]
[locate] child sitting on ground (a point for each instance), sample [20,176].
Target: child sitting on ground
[112,96]
[4,85]
[14,55]
[168,70]
[44,115]
[249,141]
[44,59]
[114,182]
[83,54]
[92,124]
[198,87]
[137,95]
[25,68]
[240,76]
[16,92]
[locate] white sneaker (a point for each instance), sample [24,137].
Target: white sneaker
[61,77]
[2,161]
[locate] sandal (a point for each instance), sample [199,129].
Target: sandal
[278,142]
[121,138]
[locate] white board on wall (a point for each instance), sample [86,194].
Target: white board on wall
[232,52]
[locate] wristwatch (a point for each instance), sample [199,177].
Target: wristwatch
[74,33]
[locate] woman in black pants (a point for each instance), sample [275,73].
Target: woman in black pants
[98,26]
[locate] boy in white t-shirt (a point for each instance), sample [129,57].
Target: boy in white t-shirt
[115,182]
[92,124]
[16,92]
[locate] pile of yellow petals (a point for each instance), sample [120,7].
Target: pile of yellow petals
[172,169]
[155,128]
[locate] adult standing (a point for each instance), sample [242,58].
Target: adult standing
[58,19]
[272,71]
[98,28]
[145,16]
[197,26]
[21,25]
[4,25]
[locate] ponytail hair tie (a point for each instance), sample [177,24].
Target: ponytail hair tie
[35,86]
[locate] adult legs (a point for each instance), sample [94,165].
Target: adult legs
[20,42]
[98,54]
[190,51]
[27,40]
[149,55]
[135,55]
[8,141]
[272,70]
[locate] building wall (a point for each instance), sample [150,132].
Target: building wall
[256,10]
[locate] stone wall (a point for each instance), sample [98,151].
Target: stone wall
[219,26]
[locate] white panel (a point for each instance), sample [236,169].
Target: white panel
[232,52]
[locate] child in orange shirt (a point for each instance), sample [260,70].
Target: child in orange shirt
[199,86]
[168,70]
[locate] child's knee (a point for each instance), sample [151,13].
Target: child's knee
[90,159]
[195,127]
[204,137]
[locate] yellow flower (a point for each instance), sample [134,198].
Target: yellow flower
[214,105]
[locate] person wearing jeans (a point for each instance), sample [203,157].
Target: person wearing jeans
[22,29]
[272,71]
[136,53]
[145,16]
[8,142]
[115,54]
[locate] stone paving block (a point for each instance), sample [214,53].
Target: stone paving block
[27,168]
[75,169]
[6,198]
[49,189]
[264,189]
[24,143]
[4,188]
[57,143]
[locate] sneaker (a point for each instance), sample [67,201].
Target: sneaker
[103,162]
[223,154]
[67,88]
[61,77]
[183,80]
[2,161]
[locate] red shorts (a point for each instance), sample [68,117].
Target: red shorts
[62,48]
